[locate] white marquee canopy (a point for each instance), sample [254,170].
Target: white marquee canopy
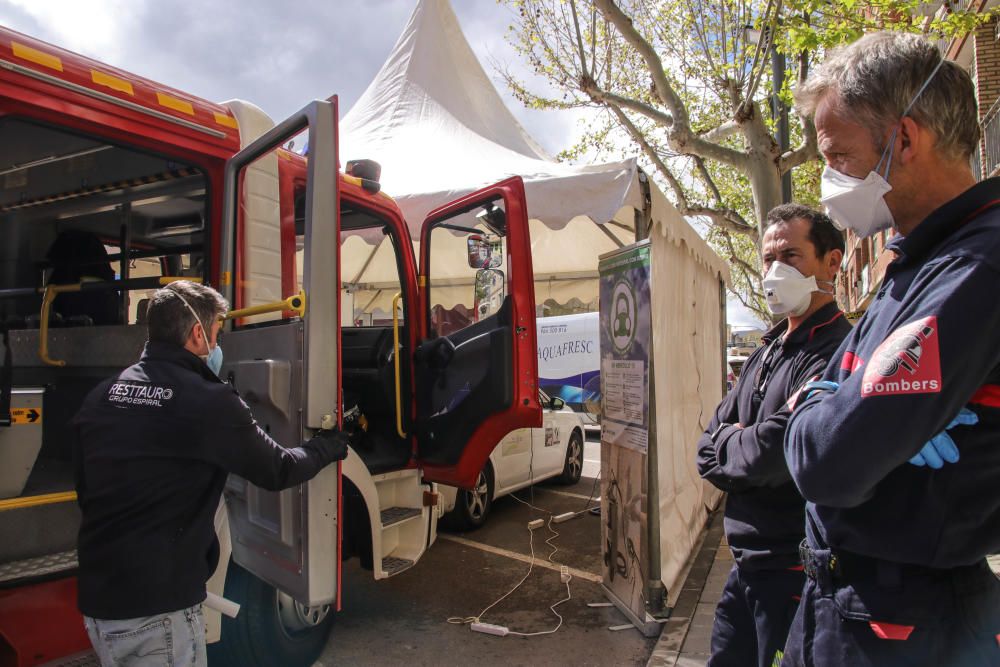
[434,121]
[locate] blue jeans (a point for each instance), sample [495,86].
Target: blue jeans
[167,640]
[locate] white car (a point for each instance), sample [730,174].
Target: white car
[524,457]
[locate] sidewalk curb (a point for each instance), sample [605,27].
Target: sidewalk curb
[667,652]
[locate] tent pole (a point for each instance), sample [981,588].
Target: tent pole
[643,218]
[614,239]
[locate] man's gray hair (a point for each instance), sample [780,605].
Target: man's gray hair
[876,77]
[168,320]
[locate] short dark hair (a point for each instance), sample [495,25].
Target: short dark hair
[168,320]
[823,234]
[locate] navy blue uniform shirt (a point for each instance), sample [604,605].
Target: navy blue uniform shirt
[927,347]
[153,448]
[765,515]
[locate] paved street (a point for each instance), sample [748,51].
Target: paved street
[403,620]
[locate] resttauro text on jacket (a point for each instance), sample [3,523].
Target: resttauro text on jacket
[136,393]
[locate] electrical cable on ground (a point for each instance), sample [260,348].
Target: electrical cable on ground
[565,577]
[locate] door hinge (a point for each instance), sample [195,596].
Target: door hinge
[431,498]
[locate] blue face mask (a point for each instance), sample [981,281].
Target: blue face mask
[214,357]
[214,360]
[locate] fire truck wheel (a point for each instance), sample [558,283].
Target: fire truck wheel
[472,507]
[271,628]
[573,468]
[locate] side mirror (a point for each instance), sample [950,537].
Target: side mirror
[489,293]
[484,252]
[494,218]
[557,403]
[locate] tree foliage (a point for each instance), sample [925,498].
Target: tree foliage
[688,83]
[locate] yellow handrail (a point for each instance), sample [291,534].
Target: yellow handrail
[296,302]
[43,328]
[35,501]
[50,293]
[395,356]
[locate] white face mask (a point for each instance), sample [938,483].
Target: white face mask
[857,204]
[787,291]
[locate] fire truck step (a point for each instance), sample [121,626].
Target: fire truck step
[38,567]
[394,515]
[85,659]
[392,565]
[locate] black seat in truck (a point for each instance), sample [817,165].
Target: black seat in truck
[77,256]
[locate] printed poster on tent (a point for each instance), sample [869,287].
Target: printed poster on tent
[625,347]
[625,337]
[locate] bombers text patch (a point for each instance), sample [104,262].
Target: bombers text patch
[139,393]
[907,362]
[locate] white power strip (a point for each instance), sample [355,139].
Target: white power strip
[490,629]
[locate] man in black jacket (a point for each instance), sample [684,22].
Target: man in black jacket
[153,448]
[741,451]
[897,448]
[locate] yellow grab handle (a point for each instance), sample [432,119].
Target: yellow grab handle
[50,292]
[296,302]
[35,501]
[395,356]
[43,328]
[166,280]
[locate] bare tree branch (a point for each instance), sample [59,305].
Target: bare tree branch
[807,152]
[597,94]
[756,66]
[579,40]
[652,154]
[681,136]
[707,179]
[717,134]
[723,218]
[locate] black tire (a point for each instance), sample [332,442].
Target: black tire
[573,467]
[258,637]
[473,507]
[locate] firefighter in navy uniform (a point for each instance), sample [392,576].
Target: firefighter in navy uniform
[153,447]
[741,451]
[897,448]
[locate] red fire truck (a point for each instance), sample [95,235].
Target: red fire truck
[112,185]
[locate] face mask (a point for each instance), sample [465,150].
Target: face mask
[859,204]
[213,359]
[787,291]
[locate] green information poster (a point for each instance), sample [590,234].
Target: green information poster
[625,347]
[626,350]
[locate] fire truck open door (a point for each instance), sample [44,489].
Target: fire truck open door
[287,367]
[476,365]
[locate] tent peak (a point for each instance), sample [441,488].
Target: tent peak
[433,74]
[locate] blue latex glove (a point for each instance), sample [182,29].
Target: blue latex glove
[815,386]
[941,448]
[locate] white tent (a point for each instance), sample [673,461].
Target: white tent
[436,124]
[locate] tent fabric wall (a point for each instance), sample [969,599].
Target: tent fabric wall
[688,339]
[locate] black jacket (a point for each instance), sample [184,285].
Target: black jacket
[152,450]
[765,514]
[926,347]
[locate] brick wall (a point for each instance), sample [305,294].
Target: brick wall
[986,69]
